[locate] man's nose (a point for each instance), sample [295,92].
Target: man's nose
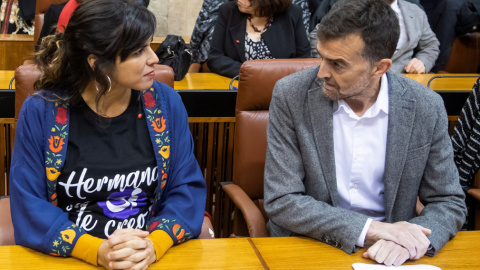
[324,71]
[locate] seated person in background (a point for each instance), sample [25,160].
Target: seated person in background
[111,176]
[256,29]
[417,47]
[323,6]
[59,14]
[205,24]
[351,145]
[452,18]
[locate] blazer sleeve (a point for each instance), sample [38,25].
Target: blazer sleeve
[440,189]
[182,206]
[292,211]
[218,61]
[428,47]
[38,224]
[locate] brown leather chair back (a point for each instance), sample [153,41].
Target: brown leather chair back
[256,81]
[40,9]
[465,54]
[6,226]
[27,74]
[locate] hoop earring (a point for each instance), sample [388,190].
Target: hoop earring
[109,82]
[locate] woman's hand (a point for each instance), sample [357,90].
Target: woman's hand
[127,249]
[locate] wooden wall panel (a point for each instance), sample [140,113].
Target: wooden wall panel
[14,49]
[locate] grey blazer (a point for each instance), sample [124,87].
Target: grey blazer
[422,42]
[300,182]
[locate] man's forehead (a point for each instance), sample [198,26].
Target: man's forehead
[348,46]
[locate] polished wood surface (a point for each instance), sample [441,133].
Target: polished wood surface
[221,253]
[212,81]
[5,77]
[446,83]
[14,49]
[306,253]
[201,81]
[256,253]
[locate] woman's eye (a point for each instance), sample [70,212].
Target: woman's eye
[139,52]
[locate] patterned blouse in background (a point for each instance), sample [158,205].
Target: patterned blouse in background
[207,17]
[256,50]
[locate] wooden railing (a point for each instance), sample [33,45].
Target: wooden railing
[7,135]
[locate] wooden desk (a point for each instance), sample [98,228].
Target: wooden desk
[305,253]
[5,77]
[14,49]
[249,253]
[201,81]
[446,84]
[210,254]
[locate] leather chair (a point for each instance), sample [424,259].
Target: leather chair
[6,226]
[27,74]
[256,81]
[465,55]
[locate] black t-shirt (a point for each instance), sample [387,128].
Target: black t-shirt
[110,173]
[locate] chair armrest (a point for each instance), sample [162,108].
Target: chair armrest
[475,193]
[256,224]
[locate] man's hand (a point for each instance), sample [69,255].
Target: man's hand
[387,252]
[415,66]
[127,249]
[411,236]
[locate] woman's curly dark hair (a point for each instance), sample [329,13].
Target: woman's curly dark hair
[106,29]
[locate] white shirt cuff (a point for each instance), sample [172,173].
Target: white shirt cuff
[361,238]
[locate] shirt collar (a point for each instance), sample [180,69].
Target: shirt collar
[395,6]
[381,104]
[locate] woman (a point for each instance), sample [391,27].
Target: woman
[256,29]
[204,26]
[95,162]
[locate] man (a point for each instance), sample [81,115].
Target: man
[351,146]
[417,47]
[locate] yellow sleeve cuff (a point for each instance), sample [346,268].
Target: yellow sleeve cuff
[86,248]
[161,242]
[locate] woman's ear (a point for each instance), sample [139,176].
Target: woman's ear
[91,59]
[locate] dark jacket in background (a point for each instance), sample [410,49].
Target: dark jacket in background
[325,7]
[27,9]
[50,21]
[205,24]
[286,38]
[453,18]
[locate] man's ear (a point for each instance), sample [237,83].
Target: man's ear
[381,67]
[91,59]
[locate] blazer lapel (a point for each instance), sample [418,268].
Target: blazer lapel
[400,124]
[273,37]
[320,110]
[238,35]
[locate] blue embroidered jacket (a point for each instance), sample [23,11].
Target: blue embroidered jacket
[42,134]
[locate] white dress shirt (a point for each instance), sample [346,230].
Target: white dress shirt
[403,39]
[360,146]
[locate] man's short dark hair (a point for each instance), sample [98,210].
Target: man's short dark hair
[267,8]
[374,20]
